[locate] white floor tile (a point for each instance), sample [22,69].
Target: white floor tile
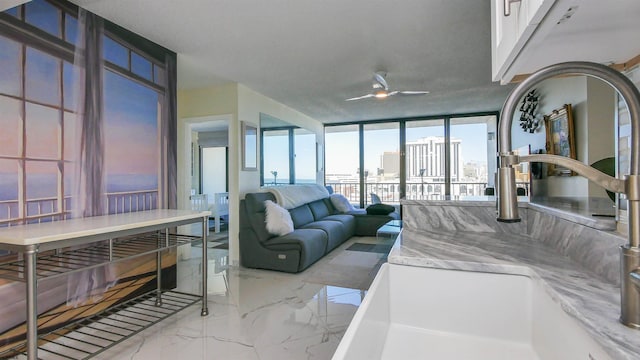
[258,314]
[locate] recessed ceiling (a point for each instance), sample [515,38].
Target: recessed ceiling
[311,55]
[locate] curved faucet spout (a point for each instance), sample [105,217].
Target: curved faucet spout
[507,203]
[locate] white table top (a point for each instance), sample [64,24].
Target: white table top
[43,233]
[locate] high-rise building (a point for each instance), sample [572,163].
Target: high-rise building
[389,164]
[428,153]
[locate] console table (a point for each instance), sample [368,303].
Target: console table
[109,239]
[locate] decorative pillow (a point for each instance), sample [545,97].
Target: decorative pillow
[277,218]
[380,209]
[341,203]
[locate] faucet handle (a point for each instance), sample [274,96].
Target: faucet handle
[509,159]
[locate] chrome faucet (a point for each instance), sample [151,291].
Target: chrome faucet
[630,186]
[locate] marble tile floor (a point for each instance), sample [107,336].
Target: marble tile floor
[259,314]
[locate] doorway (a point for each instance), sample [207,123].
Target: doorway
[214,169]
[214,181]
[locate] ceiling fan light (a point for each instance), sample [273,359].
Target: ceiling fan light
[381,94]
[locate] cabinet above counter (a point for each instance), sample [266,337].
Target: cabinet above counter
[538,33]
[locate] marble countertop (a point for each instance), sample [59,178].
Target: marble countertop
[55,231]
[592,301]
[595,213]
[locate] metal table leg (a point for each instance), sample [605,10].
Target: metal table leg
[205,228]
[159,268]
[32,303]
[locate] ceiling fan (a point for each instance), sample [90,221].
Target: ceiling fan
[381,89]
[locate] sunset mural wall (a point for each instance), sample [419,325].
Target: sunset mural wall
[87,127]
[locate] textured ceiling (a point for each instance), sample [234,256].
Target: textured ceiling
[311,55]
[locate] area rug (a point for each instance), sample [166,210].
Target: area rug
[376,248]
[348,269]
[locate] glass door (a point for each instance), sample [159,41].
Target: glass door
[382,163]
[425,158]
[473,159]
[342,160]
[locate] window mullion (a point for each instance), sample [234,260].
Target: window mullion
[22,180]
[292,162]
[447,156]
[60,208]
[403,160]
[361,174]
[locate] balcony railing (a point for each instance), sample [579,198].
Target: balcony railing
[46,209]
[389,193]
[124,202]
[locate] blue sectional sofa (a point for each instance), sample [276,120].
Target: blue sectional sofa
[318,229]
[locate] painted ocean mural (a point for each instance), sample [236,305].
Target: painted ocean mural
[69,123]
[130,133]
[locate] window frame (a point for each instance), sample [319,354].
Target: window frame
[403,142]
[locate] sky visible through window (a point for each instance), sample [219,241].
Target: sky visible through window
[342,148]
[276,156]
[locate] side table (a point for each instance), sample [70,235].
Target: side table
[389,230]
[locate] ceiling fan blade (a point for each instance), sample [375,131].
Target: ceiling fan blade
[412,92]
[379,78]
[360,97]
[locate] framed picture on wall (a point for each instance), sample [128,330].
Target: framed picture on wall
[560,138]
[249,146]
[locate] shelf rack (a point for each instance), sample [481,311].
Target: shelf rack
[64,262]
[54,249]
[93,335]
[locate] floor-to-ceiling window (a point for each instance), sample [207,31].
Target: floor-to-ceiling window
[381,161]
[342,160]
[471,142]
[411,158]
[425,158]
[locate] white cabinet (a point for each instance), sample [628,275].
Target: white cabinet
[509,34]
[539,33]
[8,4]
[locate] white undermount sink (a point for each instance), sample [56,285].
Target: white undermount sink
[424,313]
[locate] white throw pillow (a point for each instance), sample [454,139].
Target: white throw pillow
[341,203]
[277,218]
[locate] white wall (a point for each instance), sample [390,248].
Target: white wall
[203,105]
[235,103]
[250,105]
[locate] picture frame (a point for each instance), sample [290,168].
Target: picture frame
[249,146]
[560,138]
